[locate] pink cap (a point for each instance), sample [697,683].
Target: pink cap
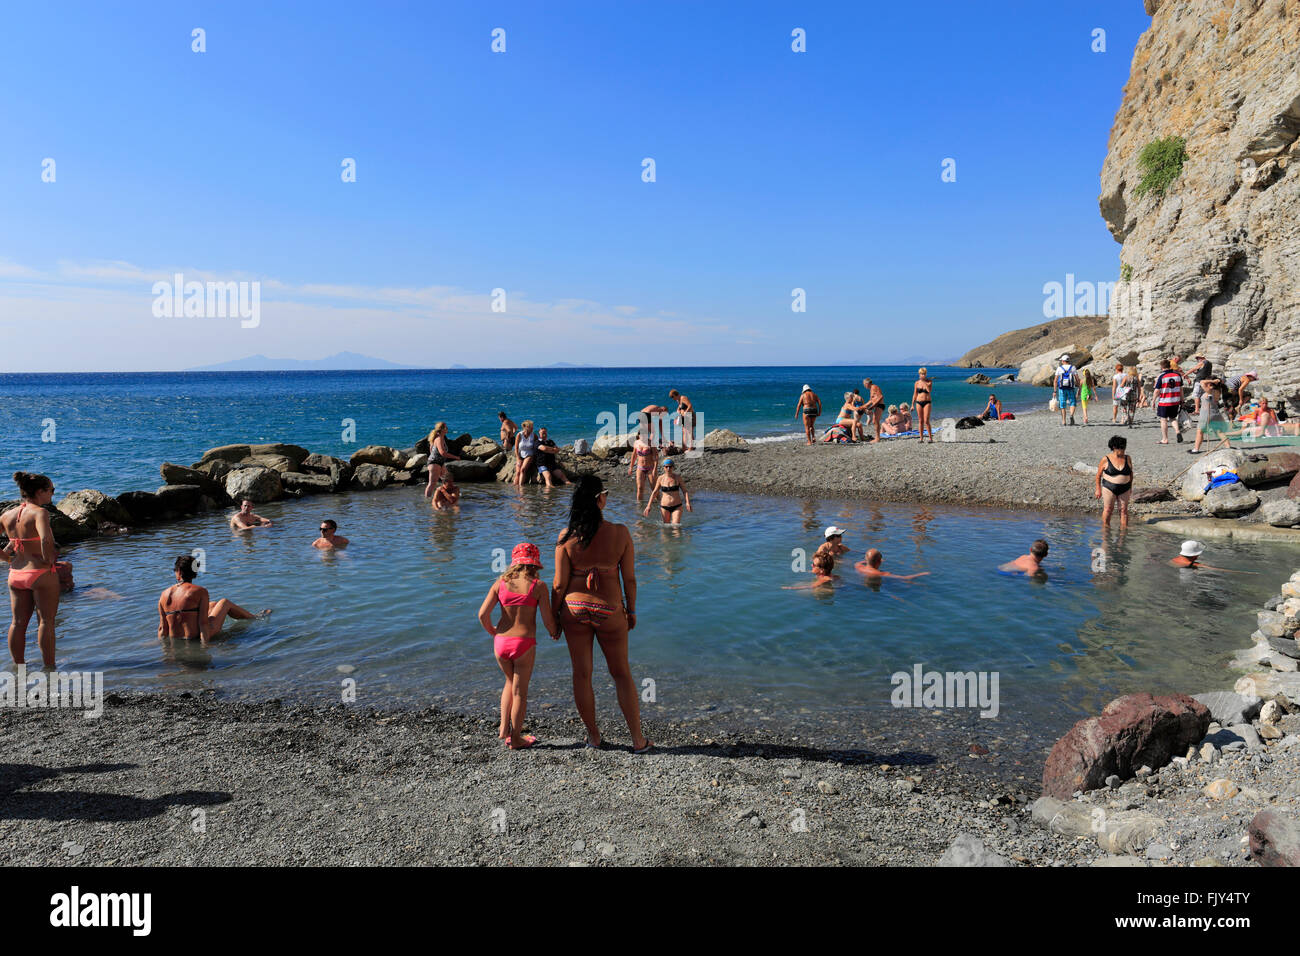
[526,553]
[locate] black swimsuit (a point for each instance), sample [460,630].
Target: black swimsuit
[1110,471]
[665,490]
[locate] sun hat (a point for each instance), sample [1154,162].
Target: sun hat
[1192,549]
[1064,358]
[526,553]
[1253,373]
[832,531]
[806,388]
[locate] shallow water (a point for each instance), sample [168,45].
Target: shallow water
[717,632]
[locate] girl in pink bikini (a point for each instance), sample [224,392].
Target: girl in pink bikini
[520,593]
[33,579]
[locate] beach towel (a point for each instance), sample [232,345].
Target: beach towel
[836,433]
[911,434]
[1225,477]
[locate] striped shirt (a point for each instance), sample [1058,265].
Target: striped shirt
[1169,388]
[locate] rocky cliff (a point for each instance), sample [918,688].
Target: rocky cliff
[1013,349]
[1215,260]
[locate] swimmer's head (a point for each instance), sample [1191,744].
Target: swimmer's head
[328,526]
[184,566]
[246,505]
[1038,549]
[823,562]
[874,557]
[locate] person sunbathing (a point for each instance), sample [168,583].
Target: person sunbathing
[893,423]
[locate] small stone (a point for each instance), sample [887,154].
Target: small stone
[1209,754]
[757,822]
[73,849]
[1270,732]
[1158,851]
[1221,789]
[580,846]
[606,849]
[826,787]
[1113,781]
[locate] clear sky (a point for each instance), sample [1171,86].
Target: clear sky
[522,171]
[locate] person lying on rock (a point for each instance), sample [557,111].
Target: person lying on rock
[244,518]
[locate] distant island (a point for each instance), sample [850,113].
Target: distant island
[342,361]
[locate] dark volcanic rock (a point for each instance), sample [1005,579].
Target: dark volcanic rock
[1274,839]
[180,475]
[1133,730]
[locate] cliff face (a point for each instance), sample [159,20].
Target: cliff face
[1216,261]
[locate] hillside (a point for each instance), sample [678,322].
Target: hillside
[1013,349]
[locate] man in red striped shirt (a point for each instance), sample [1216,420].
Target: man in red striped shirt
[1169,399]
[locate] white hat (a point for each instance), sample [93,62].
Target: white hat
[1064,358]
[807,388]
[1192,549]
[832,531]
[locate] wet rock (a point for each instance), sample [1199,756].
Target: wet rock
[180,475]
[93,508]
[142,506]
[256,483]
[979,378]
[370,477]
[339,471]
[297,483]
[469,471]
[175,501]
[968,850]
[1131,731]
[416,463]
[1274,839]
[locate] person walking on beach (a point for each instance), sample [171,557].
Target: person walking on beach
[508,429]
[439,454]
[591,556]
[447,495]
[672,494]
[685,415]
[329,538]
[869,568]
[1030,564]
[1065,380]
[33,578]
[921,401]
[245,518]
[645,462]
[547,465]
[514,637]
[1116,400]
[525,452]
[809,406]
[874,409]
[1087,391]
[185,611]
[1115,481]
[1169,400]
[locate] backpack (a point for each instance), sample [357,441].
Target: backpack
[1065,377]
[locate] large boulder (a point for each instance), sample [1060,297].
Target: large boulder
[612,446]
[1282,513]
[1227,501]
[1132,731]
[180,475]
[1041,369]
[1293,489]
[141,506]
[230,453]
[1274,839]
[979,378]
[1228,707]
[176,501]
[378,455]
[471,470]
[275,462]
[338,470]
[370,477]
[496,461]
[460,443]
[256,483]
[215,468]
[483,448]
[1269,469]
[295,453]
[297,483]
[416,463]
[1196,477]
[723,438]
[94,509]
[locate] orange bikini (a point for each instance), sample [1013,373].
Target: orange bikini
[22,580]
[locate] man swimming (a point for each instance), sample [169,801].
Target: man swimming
[329,537]
[1031,563]
[870,568]
[1192,550]
[244,518]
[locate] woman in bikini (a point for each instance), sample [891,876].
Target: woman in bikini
[672,494]
[590,557]
[921,390]
[809,407]
[514,638]
[1115,481]
[184,610]
[33,579]
[439,454]
[644,461]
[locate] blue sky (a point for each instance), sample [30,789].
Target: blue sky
[523,171]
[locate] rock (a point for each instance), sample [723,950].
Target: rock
[175,501]
[723,438]
[979,378]
[499,459]
[471,470]
[824,786]
[1229,708]
[93,508]
[1195,479]
[1145,496]
[1113,781]
[1269,468]
[582,447]
[369,476]
[1065,817]
[1009,377]
[255,483]
[216,469]
[970,421]
[1228,500]
[1158,851]
[1127,831]
[295,453]
[377,455]
[967,850]
[1286,646]
[1221,789]
[609,446]
[1274,839]
[416,463]
[481,449]
[1270,683]
[275,462]
[1246,733]
[297,483]
[1209,753]
[1271,732]
[1249,658]
[339,471]
[227,453]
[180,475]
[1118,861]
[141,506]
[1131,731]
[1281,513]
[1293,489]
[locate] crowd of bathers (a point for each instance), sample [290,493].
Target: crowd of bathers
[859,412]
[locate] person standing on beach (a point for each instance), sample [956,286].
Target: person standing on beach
[685,415]
[1116,399]
[245,518]
[1206,394]
[439,454]
[869,567]
[33,578]
[514,637]
[652,420]
[809,406]
[591,556]
[875,408]
[1169,400]
[1065,380]
[921,401]
[329,538]
[1115,481]
[184,610]
[508,429]
[672,494]
[1029,564]
[1087,391]
[645,461]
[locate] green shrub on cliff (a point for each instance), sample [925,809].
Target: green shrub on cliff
[1161,161]
[1125,272]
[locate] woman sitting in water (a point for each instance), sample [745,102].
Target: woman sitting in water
[33,577]
[514,638]
[645,461]
[590,558]
[672,494]
[439,454]
[823,564]
[184,611]
[447,494]
[893,423]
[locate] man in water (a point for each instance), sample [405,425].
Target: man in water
[1032,563]
[547,467]
[244,518]
[870,568]
[874,409]
[809,406]
[686,415]
[1192,550]
[329,537]
[834,544]
[508,429]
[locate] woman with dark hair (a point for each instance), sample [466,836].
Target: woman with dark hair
[33,578]
[1115,481]
[184,611]
[591,556]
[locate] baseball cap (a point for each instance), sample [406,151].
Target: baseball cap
[526,553]
[1064,358]
[832,531]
